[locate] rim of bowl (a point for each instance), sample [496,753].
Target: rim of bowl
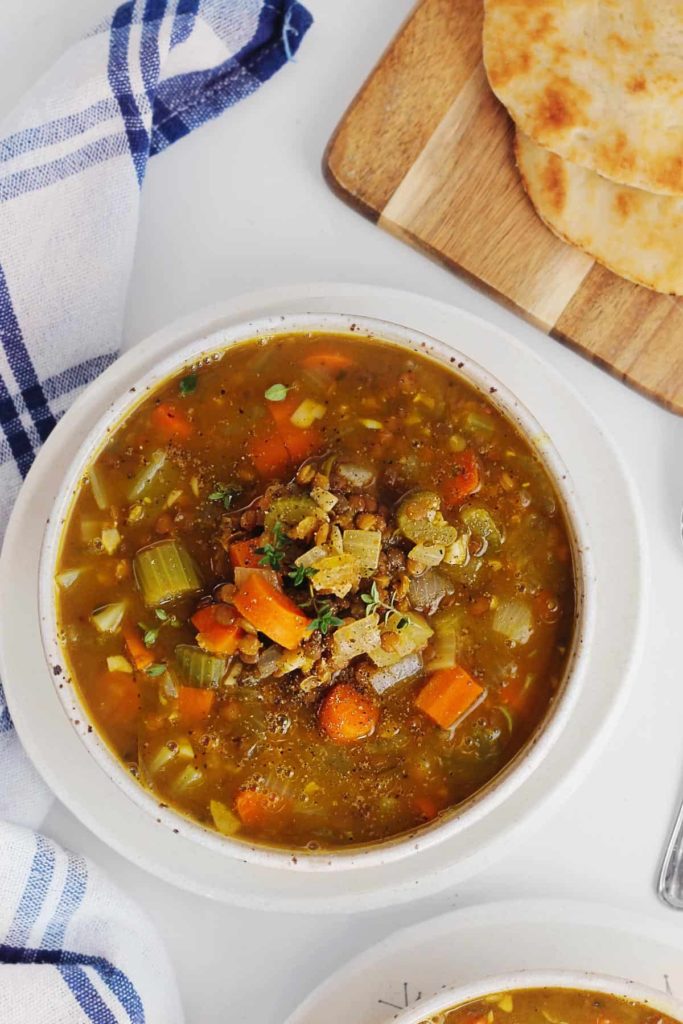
[525,761]
[454,996]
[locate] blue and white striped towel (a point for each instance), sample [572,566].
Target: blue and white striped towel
[72,160]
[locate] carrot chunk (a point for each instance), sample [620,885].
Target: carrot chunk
[330,361]
[271,612]
[141,655]
[465,479]
[449,695]
[212,615]
[244,553]
[119,699]
[346,715]
[218,633]
[171,422]
[256,807]
[194,704]
[268,453]
[300,442]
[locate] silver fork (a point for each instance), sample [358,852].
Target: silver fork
[670,885]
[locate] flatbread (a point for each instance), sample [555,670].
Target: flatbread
[637,234]
[600,82]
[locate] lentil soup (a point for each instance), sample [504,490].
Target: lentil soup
[316,591]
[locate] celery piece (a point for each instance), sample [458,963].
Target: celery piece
[188,777]
[420,520]
[447,643]
[514,620]
[478,423]
[109,617]
[225,821]
[365,546]
[290,510]
[164,571]
[199,668]
[144,478]
[412,632]
[97,486]
[480,522]
[162,758]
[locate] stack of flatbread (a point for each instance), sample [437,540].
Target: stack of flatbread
[595,88]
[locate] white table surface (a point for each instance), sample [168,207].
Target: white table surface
[240,204]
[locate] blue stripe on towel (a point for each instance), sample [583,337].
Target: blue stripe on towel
[75,885]
[86,995]
[34,894]
[115,979]
[119,81]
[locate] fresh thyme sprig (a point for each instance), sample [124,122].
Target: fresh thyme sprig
[273,555]
[324,620]
[300,574]
[373,603]
[224,495]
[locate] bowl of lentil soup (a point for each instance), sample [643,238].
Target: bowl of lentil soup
[547,997]
[317,590]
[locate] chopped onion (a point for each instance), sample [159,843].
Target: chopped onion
[269,661]
[365,545]
[242,573]
[147,474]
[427,554]
[117,663]
[108,619]
[111,538]
[68,578]
[384,678]
[514,620]
[354,475]
[428,591]
[355,638]
[307,413]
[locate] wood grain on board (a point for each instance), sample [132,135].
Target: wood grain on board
[426,150]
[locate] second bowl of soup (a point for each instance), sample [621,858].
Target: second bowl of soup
[316,587]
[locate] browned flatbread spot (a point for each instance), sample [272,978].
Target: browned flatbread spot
[554,179]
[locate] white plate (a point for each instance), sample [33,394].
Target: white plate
[495,939]
[602,489]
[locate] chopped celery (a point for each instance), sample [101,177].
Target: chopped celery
[359,637]
[382,679]
[223,818]
[478,423]
[290,510]
[164,755]
[97,486]
[459,552]
[188,777]
[447,643]
[108,619]
[480,522]
[68,578]
[144,478]
[117,663]
[336,574]
[163,571]
[514,620]
[307,413]
[200,668]
[420,520]
[111,538]
[412,634]
[365,546]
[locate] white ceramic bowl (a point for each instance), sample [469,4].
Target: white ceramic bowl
[524,763]
[449,998]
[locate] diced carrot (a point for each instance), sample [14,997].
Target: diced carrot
[281,412]
[299,442]
[256,807]
[119,700]
[141,655]
[243,553]
[425,806]
[347,715]
[271,612]
[268,453]
[194,705]
[448,695]
[220,639]
[212,615]
[171,422]
[464,480]
[330,361]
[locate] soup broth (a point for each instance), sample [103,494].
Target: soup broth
[316,591]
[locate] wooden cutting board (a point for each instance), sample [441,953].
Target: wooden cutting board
[426,151]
